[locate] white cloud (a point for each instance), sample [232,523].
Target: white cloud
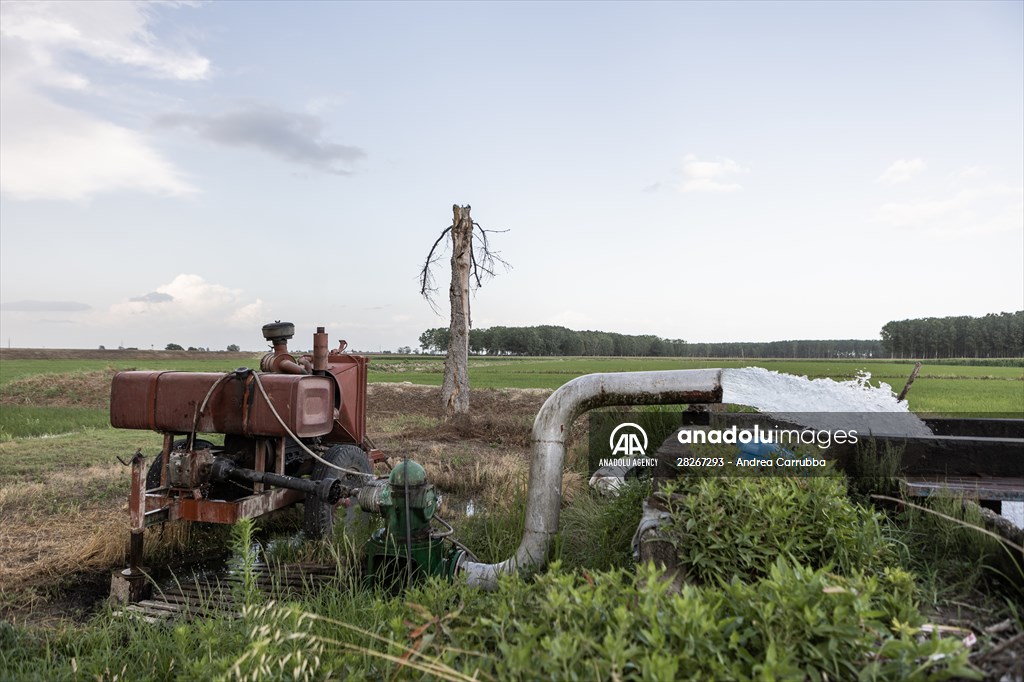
[192,298]
[969,211]
[53,151]
[901,170]
[114,32]
[251,315]
[710,176]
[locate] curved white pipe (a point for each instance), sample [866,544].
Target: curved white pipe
[550,431]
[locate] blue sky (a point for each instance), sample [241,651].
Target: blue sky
[185,172]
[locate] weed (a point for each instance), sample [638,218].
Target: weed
[875,470]
[596,532]
[725,528]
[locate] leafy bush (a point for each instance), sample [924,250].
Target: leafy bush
[795,623]
[725,528]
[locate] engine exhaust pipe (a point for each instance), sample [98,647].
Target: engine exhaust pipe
[550,431]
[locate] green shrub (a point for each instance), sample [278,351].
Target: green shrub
[725,528]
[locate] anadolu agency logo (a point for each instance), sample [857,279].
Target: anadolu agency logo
[628,445]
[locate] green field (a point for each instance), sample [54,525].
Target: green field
[940,388]
[11,370]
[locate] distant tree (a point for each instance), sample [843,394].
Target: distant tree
[102,347]
[994,335]
[233,348]
[173,346]
[434,340]
[404,350]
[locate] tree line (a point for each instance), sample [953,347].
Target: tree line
[554,340]
[996,335]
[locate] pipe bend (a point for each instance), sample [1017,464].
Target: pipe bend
[551,430]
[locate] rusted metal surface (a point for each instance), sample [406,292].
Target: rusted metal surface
[168,401]
[328,404]
[221,511]
[132,584]
[320,350]
[282,361]
[279,457]
[137,511]
[165,455]
[185,508]
[329,489]
[189,469]
[349,372]
[261,465]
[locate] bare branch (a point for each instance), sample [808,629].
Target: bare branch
[484,259]
[427,288]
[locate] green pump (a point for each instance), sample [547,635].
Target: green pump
[406,545]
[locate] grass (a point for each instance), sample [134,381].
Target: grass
[28,421]
[792,618]
[939,387]
[10,370]
[790,578]
[33,459]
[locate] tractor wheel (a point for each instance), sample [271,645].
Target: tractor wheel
[153,475]
[321,516]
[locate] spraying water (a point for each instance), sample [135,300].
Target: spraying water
[822,403]
[828,404]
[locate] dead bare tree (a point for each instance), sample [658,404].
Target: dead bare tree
[472,264]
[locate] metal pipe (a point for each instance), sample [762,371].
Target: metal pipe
[551,429]
[329,490]
[320,351]
[282,362]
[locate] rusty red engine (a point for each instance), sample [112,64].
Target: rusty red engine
[246,442]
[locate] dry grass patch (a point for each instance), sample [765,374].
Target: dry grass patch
[485,458]
[77,389]
[69,523]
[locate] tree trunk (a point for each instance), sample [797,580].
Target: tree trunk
[455,390]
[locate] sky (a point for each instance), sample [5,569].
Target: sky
[184,172]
